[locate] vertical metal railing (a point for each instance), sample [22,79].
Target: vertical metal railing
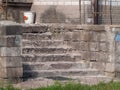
[101,11]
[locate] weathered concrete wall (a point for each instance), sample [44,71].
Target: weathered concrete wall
[61,13]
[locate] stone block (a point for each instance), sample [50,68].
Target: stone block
[85,36]
[103,36]
[110,74]
[77,57]
[117,58]
[98,65]
[103,47]
[75,45]
[117,50]
[11,72]
[14,29]
[61,66]
[10,41]
[117,67]
[10,51]
[43,43]
[94,46]
[94,56]
[68,43]
[47,50]
[95,36]
[117,74]
[103,57]
[31,36]
[68,36]
[85,55]
[11,62]
[69,65]
[47,58]
[35,28]
[57,35]
[84,46]
[53,73]
[110,67]
[76,36]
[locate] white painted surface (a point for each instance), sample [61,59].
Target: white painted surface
[30,17]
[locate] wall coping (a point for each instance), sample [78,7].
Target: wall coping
[68,26]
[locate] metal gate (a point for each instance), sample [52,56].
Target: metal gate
[100,11]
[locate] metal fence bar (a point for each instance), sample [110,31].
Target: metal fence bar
[80,10]
[6,11]
[110,12]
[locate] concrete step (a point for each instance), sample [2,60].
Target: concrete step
[37,36]
[54,65]
[51,57]
[35,28]
[44,82]
[92,79]
[43,43]
[53,50]
[43,36]
[66,72]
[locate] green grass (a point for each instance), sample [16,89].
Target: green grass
[73,86]
[76,86]
[9,87]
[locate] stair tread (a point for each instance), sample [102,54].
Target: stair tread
[39,34]
[60,62]
[24,40]
[67,54]
[92,76]
[76,77]
[50,47]
[63,70]
[29,47]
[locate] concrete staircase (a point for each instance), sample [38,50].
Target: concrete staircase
[47,56]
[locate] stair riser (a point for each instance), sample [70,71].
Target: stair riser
[57,73]
[42,44]
[36,37]
[50,58]
[50,36]
[35,29]
[46,51]
[59,66]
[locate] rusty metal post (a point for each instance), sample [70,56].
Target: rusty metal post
[95,4]
[111,12]
[6,11]
[80,10]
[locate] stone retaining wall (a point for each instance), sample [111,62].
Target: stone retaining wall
[95,45]
[10,52]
